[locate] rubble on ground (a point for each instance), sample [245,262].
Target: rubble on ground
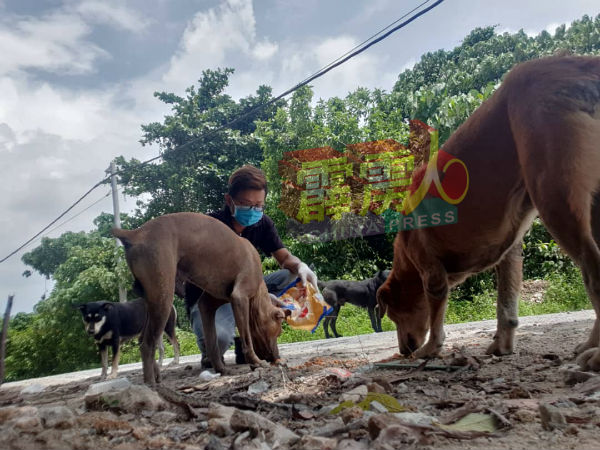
[535,397]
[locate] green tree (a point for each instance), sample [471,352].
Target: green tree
[197,155]
[52,339]
[51,253]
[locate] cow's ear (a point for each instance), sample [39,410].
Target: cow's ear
[108,306]
[81,308]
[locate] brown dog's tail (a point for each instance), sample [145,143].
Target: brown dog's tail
[125,236]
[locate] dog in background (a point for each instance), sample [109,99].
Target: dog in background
[112,323]
[359,293]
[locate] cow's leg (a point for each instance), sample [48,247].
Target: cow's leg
[509,276]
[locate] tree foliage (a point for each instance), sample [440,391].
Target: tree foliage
[197,155]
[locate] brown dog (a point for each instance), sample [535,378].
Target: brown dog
[532,148]
[207,253]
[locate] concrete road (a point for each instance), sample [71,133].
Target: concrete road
[370,347]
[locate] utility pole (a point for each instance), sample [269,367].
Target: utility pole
[116,218]
[4,333]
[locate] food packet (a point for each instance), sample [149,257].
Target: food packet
[307,305]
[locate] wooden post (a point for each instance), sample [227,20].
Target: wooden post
[3,337]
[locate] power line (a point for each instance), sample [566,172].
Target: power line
[42,234]
[337,62]
[54,221]
[78,214]
[368,39]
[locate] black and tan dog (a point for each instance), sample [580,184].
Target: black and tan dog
[205,252]
[112,323]
[360,293]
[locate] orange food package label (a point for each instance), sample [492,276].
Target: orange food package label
[307,305]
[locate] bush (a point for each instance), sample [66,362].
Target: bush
[542,256]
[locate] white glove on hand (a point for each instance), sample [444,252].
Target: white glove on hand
[306,274]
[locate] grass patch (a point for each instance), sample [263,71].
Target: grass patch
[130,351]
[566,292]
[351,322]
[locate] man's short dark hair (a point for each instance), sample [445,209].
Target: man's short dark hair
[247,177]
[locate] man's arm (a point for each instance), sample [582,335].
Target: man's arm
[286,260]
[292,263]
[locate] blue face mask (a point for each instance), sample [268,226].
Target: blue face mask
[246,215]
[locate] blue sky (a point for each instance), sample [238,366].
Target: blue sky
[77,77]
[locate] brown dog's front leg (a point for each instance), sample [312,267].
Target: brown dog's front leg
[241,312]
[509,275]
[435,282]
[207,307]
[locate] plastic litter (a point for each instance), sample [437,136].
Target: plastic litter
[207,375]
[307,305]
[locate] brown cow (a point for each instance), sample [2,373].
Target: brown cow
[205,252]
[532,148]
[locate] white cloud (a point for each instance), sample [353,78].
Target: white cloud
[264,50]
[366,69]
[212,38]
[28,106]
[114,14]
[54,43]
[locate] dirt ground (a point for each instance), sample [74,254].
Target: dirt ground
[535,398]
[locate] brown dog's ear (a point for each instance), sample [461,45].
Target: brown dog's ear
[276,302]
[281,313]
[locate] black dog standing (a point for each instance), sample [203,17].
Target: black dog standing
[359,293]
[113,323]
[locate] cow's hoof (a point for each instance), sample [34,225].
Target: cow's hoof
[590,359]
[112,376]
